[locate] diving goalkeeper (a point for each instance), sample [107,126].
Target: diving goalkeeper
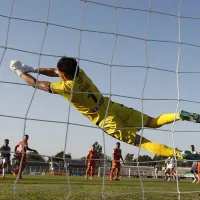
[121,122]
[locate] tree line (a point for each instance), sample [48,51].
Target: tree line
[130,159]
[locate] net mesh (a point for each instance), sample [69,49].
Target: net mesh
[115,7]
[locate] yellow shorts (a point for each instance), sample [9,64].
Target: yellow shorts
[123,123]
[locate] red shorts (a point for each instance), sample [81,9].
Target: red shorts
[91,163]
[115,164]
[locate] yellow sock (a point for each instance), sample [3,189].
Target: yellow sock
[163,119]
[159,149]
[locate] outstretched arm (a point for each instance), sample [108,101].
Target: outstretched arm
[42,85]
[16,64]
[49,72]
[16,147]
[22,71]
[87,158]
[122,159]
[29,149]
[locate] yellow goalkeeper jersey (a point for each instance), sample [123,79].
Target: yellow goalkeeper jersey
[86,97]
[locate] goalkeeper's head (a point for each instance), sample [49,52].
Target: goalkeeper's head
[68,68]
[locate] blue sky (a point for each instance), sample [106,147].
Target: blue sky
[48,138]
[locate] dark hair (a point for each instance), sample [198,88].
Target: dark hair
[68,66]
[6,140]
[192,146]
[118,143]
[26,135]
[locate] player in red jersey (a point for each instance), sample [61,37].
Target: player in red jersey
[117,155]
[19,153]
[91,162]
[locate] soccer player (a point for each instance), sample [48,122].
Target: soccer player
[20,150]
[156,167]
[5,157]
[194,168]
[77,87]
[51,168]
[170,172]
[91,162]
[198,170]
[117,155]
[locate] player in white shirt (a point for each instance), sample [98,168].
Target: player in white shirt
[51,168]
[170,169]
[156,167]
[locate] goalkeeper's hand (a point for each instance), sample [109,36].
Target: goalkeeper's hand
[19,68]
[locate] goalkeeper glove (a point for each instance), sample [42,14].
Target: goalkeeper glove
[29,69]
[17,67]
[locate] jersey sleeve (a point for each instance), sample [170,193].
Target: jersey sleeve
[57,87]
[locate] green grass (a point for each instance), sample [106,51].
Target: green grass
[56,188]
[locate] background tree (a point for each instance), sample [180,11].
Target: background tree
[83,158]
[58,158]
[35,159]
[129,158]
[60,155]
[146,160]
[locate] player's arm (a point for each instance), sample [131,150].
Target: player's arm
[52,72]
[113,155]
[21,71]
[30,80]
[29,149]
[87,157]
[1,149]
[16,147]
[122,158]
[9,153]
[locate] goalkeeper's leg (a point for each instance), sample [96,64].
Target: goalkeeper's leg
[157,148]
[171,117]
[162,120]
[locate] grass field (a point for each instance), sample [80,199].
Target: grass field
[56,188]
